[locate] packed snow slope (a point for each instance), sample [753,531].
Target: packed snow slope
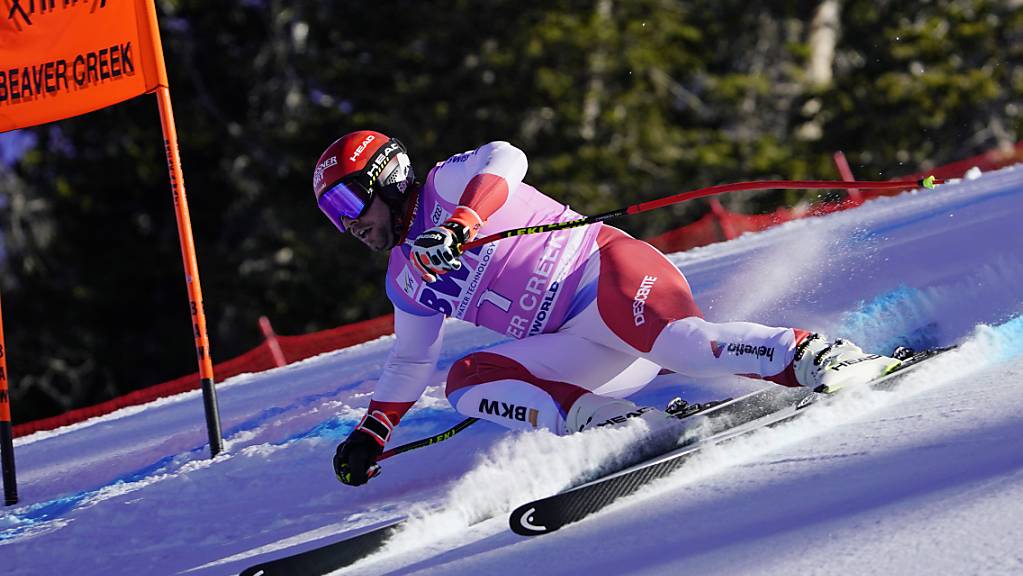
[925,479]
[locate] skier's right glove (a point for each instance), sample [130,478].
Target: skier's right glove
[437,250]
[355,459]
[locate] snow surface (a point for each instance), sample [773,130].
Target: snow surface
[925,479]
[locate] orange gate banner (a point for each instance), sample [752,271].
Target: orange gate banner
[62,58]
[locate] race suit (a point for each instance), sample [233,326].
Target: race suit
[589,309]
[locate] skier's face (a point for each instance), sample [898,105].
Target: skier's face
[374,227]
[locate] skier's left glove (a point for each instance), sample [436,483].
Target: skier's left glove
[355,459]
[437,250]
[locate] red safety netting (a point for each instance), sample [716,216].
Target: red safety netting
[256,360]
[717,225]
[722,224]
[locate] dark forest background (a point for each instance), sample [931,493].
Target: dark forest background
[614,102]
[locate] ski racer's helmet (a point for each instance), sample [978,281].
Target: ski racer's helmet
[357,167]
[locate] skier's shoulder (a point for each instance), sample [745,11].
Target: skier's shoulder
[482,152]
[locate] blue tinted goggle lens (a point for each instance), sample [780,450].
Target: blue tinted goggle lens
[343,199]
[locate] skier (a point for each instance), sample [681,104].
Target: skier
[593,313]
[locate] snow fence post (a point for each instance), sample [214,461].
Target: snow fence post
[855,196]
[271,342]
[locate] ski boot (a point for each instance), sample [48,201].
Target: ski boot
[593,411]
[828,366]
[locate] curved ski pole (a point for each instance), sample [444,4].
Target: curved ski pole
[928,182]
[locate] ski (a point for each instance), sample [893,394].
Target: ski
[327,559]
[719,421]
[733,419]
[337,555]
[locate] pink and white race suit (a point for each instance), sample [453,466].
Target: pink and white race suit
[590,309]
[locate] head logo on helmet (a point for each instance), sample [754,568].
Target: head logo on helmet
[362,147]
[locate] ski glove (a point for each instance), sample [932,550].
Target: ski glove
[436,251]
[355,459]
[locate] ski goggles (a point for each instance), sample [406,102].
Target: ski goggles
[347,199]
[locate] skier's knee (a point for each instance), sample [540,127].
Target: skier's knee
[466,372]
[459,375]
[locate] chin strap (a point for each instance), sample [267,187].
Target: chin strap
[402,221]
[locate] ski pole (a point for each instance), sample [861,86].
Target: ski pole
[928,182]
[375,469]
[428,441]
